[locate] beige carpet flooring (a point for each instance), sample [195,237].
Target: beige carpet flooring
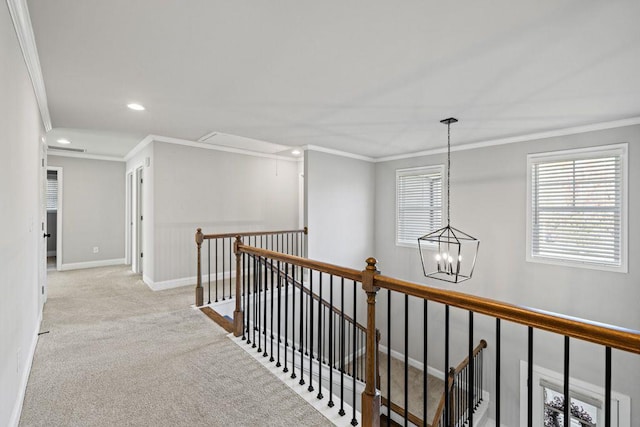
[119,354]
[435,387]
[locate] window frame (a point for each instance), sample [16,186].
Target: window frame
[620,150]
[440,169]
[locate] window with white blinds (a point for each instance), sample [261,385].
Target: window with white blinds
[52,193]
[577,207]
[418,203]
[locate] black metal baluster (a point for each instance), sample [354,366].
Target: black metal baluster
[607,387]
[253,301]
[301,342]
[216,276]
[293,323]
[230,267]
[209,269]
[406,360]
[446,366]
[355,359]
[320,396]
[271,326]
[245,285]
[243,300]
[278,279]
[259,306]
[389,358]
[471,378]
[264,307]
[425,347]
[306,339]
[223,272]
[497,372]
[286,315]
[341,412]
[330,403]
[567,398]
[530,379]
[310,388]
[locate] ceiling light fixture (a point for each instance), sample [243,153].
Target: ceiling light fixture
[135,107]
[448,242]
[295,152]
[63,141]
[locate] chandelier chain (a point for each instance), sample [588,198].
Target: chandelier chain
[448,174]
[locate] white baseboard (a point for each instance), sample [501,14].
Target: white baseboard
[17,408]
[186,281]
[168,284]
[92,264]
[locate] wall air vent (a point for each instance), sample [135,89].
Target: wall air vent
[75,150]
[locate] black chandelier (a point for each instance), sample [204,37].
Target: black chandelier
[448,253]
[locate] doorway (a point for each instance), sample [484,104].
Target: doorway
[137,217]
[54,218]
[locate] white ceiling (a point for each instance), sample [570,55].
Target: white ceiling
[368,77]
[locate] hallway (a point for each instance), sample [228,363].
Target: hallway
[117,353]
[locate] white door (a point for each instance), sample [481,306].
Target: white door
[139,254]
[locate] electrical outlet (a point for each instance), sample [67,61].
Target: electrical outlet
[96,249]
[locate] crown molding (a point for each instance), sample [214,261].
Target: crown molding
[184,142]
[84,156]
[338,153]
[19,12]
[522,138]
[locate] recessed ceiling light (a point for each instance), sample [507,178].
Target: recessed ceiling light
[63,141]
[136,107]
[296,152]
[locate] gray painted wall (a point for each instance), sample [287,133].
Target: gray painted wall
[20,256]
[93,209]
[218,191]
[339,208]
[488,200]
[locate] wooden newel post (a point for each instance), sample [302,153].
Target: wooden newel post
[370,395]
[238,317]
[199,289]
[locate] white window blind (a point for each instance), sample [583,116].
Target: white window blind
[577,207]
[418,202]
[52,194]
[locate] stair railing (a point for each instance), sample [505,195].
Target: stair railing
[609,337]
[219,264]
[457,390]
[302,315]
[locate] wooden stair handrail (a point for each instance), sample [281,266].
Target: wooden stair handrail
[451,376]
[400,410]
[595,332]
[253,233]
[440,408]
[465,362]
[598,333]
